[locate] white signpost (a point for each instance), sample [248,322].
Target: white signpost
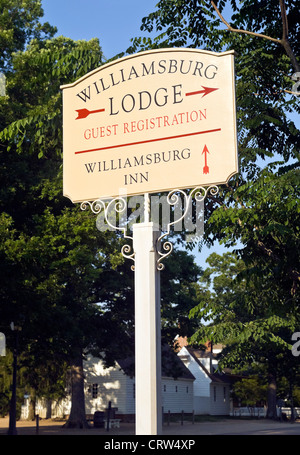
[152,122]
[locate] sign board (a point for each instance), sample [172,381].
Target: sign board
[151,122]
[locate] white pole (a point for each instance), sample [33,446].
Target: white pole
[147,331]
[146,207]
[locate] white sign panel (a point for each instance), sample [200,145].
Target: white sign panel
[151,122]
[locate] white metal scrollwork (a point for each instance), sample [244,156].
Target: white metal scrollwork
[119,205]
[199,193]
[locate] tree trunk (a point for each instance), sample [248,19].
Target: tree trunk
[49,408]
[293,417]
[272,388]
[32,403]
[77,418]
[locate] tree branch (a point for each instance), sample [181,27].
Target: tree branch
[285,26]
[284,41]
[247,32]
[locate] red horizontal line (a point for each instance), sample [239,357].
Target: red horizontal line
[150,140]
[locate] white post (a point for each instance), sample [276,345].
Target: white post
[147,331]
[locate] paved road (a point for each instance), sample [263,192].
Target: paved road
[222,427]
[238,427]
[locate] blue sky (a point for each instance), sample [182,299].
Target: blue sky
[114,22]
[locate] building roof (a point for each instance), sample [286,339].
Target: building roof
[214,377]
[171,365]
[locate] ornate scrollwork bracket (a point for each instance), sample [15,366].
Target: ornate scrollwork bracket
[119,206]
[164,249]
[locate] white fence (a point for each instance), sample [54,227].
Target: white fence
[248,412]
[261,412]
[287,411]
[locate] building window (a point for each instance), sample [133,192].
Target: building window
[165,388]
[224,394]
[176,388]
[215,393]
[95,391]
[133,390]
[187,389]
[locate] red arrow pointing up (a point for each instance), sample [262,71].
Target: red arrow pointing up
[205,91]
[205,168]
[83,113]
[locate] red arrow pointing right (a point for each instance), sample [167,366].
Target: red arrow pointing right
[205,91]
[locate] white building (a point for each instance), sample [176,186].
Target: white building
[117,385]
[189,384]
[211,390]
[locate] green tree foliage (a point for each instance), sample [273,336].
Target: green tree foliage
[52,254]
[31,174]
[178,295]
[250,391]
[251,317]
[19,24]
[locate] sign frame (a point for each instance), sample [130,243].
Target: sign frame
[184,97]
